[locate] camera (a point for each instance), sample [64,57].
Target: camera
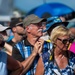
[69,16]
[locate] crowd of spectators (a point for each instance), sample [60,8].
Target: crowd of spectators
[39,46]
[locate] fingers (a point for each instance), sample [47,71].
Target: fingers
[38,47]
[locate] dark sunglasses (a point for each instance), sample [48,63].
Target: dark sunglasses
[64,41]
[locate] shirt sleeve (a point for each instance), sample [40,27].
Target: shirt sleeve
[17,55]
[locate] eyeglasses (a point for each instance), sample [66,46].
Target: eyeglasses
[44,23]
[37,24]
[64,41]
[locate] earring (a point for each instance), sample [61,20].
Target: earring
[54,46]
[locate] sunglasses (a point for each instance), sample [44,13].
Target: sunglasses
[64,41]
[21,25]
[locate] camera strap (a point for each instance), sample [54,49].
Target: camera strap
[58,67]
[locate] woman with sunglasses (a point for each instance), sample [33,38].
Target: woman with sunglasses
[59,61]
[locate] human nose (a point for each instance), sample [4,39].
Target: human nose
[67,42]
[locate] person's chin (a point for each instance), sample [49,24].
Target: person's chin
[41,34]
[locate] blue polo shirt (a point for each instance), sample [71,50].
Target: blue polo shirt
[3,63]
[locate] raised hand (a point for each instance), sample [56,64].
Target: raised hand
[41,42]
[38,47]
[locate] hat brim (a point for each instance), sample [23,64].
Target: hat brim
[19,23]
[4,28]
[38,20]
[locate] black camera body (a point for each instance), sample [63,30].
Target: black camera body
[69,16]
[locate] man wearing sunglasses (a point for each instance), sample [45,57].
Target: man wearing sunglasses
[17,28]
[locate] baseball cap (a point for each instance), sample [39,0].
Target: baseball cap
[16,22]
[3,28]
[32,19]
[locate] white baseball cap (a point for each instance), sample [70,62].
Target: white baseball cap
[2,28]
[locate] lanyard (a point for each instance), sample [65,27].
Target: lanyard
[57,64]
[58,67]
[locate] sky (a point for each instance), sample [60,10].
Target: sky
[27,5]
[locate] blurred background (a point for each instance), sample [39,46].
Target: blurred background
[42,8]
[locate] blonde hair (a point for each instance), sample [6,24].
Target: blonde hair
[59,31]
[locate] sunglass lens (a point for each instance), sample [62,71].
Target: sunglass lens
[65,41]
[71,40]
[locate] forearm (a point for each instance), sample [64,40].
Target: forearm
[8,48]
[27,63]
[40,67]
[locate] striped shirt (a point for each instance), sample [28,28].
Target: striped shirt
[26,48]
